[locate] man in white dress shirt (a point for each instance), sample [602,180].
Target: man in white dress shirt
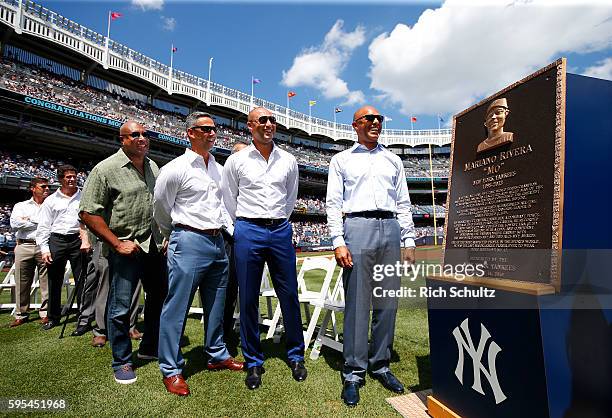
[260,185]
[24,220]
[367,183]
[61,237]
[188,207]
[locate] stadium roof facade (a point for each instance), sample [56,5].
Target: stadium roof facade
[30,18]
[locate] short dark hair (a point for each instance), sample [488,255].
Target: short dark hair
[36,181]
[61,170]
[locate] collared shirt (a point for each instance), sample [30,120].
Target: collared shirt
[24,219]
[187,192]
[116,191]
[255,188]
[361,180]
[59,214]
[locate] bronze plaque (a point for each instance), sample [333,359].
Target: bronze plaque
[504,201]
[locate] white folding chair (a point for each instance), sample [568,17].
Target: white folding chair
[9,283]
[316,299]
[34,288]
[266,290]
[272,321]
[306,295]
[67,283]
[332,304]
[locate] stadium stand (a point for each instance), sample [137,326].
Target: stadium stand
[53,79]
[40,82]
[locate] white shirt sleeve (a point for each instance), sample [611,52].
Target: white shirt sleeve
[404,210]
[166,188]
[43,231]
[227,219]
[333,203]
[17,215]
[229,188]
[292,187]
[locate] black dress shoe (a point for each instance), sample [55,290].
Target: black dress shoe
[81,330]
[253,378]
[50,324]
[350,393]
[298,370]
[390,382]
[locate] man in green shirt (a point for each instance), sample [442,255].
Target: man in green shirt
[117,206]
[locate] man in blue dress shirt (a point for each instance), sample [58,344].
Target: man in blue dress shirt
[367,183]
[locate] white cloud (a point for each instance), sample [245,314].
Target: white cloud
[459,53]
[149,4]
[320,67]
[354,98]
[168,23]
[603,69]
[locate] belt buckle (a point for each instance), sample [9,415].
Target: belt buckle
[269,222]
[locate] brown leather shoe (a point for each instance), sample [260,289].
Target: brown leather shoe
[17,322]
[99,341]
[230,364]
[44,320]
[136,335]
[176,385]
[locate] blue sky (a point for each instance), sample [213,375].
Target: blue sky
[406,58]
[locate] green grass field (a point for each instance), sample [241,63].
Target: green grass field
[38,365]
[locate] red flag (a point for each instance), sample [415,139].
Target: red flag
[173,49]
[291,94]
[115,15]
[413,119]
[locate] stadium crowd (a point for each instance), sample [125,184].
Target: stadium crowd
[39,82]
[310,204]
[33,165]
[7,238]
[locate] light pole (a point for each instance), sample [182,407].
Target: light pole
[210,61]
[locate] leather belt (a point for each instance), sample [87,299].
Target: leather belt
[263,221]
[74,235]
[211,232]
[25,241]
[372,214]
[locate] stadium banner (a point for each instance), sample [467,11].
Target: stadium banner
[83,115]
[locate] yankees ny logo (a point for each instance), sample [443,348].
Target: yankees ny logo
[476,354]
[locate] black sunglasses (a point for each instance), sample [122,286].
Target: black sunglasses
[264,119]
[370,118]
[43,186]
[205,129]
[137,134]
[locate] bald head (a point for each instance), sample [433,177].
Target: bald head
[365,110]
[262,126]
[257,112]
[129,127]
[367,128]
[134,141]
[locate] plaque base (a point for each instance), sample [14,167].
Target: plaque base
[437,409]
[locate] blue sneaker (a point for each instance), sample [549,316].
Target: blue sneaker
[125,375]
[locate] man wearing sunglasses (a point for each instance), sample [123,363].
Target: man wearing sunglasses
[368,184]
[260,185]
[117,207]
[188,207]
[28,257]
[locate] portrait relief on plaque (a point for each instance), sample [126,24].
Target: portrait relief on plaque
[495,119]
